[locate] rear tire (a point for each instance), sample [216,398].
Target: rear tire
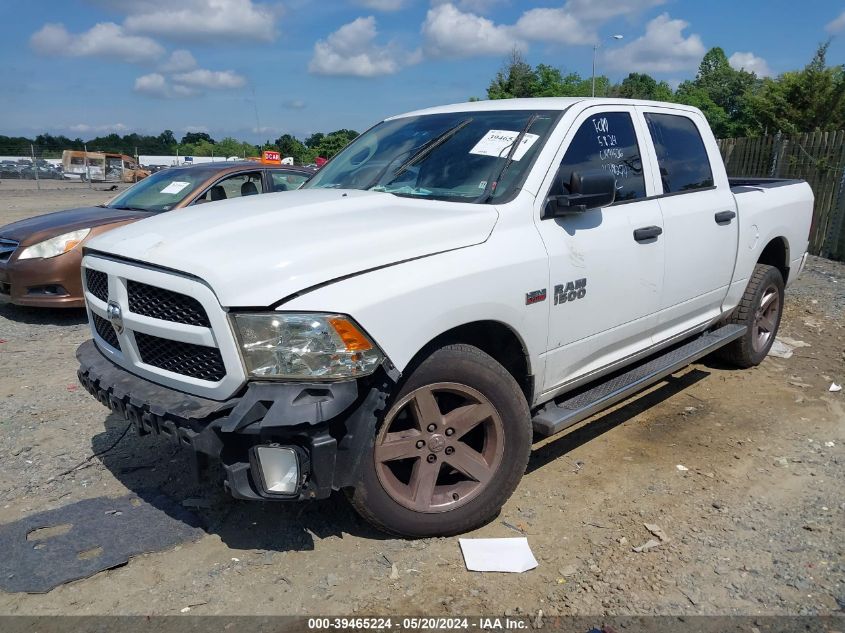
[760,310]
[450,450]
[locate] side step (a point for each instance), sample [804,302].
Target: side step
[555,417]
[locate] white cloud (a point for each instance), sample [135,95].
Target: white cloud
[473,6]
[382,5]
[456,28]
[751,63]
[106,39]
[352,51]
[202,20]
[553,25]
[210,79]
[180,61]
[663,48]
[158,86]
[595,12]
[294,104]
[836,25]
[449,32]
[84,128]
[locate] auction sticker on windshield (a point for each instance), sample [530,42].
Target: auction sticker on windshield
[499,142]
[175,187]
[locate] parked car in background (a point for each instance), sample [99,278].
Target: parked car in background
[40,256]
[451,283]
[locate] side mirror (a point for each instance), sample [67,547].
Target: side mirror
[587,190]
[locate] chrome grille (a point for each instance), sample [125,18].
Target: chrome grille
[7,247]
[174,331]
[106,331]
[166,305]
[196,361]
[98,283]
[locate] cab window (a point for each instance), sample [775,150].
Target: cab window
[681,155]
[236,186]
[605,141]
[286,180]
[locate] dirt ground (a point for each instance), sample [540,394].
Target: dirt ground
[743,471]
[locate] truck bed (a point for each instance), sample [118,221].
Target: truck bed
[760,183]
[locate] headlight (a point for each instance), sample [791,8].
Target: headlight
[55,245]
[305,346]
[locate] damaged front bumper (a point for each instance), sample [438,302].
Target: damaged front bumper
[329,426]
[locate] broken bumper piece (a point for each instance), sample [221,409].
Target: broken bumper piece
[276,440]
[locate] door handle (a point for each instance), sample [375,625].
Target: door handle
[724,217]
[647,233]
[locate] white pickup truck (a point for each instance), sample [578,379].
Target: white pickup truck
[454,283]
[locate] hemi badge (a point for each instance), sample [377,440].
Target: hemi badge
[535,296]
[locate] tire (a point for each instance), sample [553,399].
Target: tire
[494,425]
[766,284]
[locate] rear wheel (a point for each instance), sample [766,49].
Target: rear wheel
[760,310]
[451,449]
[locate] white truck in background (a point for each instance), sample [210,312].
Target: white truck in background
[456,281]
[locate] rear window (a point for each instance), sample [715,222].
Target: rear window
[681,156]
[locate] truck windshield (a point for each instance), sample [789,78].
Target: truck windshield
[451,156]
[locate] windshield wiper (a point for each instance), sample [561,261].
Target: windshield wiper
[129,209]
[490,187]
[418,156]
[429,147]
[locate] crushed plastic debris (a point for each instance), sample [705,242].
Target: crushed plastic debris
[649,544]
[682,468]
[834,387]
[657,531]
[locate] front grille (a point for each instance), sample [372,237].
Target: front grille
[166,305]
[106,331]
[196,361]
[7,247]
[98,283]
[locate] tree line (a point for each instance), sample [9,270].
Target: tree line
[737,103]
[191,144]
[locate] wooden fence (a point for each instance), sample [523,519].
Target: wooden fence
[818,158]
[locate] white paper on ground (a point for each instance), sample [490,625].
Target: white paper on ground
[175,187]
[497,554]
[498,143]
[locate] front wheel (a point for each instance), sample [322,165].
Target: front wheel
[451,449]
[760,309]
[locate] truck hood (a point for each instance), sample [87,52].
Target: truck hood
[258,250]
[42,227]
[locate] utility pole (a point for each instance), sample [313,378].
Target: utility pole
[596,48]
[87,165]
[35,166]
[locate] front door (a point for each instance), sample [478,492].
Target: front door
[604,286]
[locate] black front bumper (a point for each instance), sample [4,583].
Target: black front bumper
[332,424]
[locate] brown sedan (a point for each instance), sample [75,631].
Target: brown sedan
[40,257]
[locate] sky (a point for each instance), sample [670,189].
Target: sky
[256,69]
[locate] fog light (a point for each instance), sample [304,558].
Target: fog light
[279,468]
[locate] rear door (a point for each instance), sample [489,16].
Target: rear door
[699,219]
[604,286]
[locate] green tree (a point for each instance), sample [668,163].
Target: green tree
[643,86]
[289,145]
[515,79]
[805,100]
[723,94]
[196,137]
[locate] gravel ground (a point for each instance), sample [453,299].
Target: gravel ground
[754,520]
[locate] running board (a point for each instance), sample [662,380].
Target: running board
[555,417]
